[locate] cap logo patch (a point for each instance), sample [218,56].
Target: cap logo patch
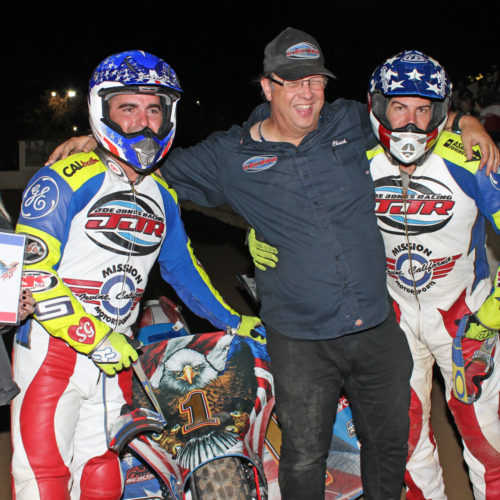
[303,50]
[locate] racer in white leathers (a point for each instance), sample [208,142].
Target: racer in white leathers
[431,206]
[96,223]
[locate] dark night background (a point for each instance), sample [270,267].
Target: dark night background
[216,48]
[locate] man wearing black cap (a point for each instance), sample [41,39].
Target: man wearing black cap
[298,173]
[297,102]
[329,321]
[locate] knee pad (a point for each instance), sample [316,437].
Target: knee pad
[101,478]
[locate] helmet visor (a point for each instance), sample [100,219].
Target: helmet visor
[167,100]
[439,112]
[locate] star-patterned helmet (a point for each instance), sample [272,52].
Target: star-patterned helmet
[128,73]
[410,73]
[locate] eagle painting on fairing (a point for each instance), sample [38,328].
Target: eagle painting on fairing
[206,388]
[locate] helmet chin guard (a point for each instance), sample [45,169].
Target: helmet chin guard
[134,72]
[407,147]
[409,74]
[146,149]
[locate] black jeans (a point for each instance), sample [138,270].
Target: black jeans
[374,368]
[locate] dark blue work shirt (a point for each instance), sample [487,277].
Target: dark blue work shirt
[314,203]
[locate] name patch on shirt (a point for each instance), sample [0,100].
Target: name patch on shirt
[336,143]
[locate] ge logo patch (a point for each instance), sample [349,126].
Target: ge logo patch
[40,198]
[126,224]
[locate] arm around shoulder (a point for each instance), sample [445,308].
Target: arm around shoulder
[79,144]
[195,173]
[473,133]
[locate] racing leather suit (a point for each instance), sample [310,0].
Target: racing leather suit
[92,241]
[434,236]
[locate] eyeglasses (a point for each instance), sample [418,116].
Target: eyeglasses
[317,83]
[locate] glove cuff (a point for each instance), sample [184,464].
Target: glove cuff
[479,322]
[247,235]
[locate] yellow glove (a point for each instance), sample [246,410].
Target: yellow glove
[114,353]
[477,331]
[489,313]
[252,327]
[262,254]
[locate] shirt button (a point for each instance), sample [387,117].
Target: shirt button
[358,322]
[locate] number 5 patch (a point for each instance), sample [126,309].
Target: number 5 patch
[57,307]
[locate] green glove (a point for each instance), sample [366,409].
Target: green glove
[114,353]
[262,254]
[251,326]
[489,312]
[477,331]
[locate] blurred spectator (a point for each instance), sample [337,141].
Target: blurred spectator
[485,92]
[490,115]
[463,100]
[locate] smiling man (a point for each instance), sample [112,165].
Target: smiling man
[295,107]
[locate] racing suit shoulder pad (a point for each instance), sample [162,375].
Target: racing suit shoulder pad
[449,146]
[79,168]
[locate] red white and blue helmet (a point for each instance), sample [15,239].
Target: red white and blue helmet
[410,73]
[129,72]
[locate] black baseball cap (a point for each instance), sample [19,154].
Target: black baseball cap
[294,54]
